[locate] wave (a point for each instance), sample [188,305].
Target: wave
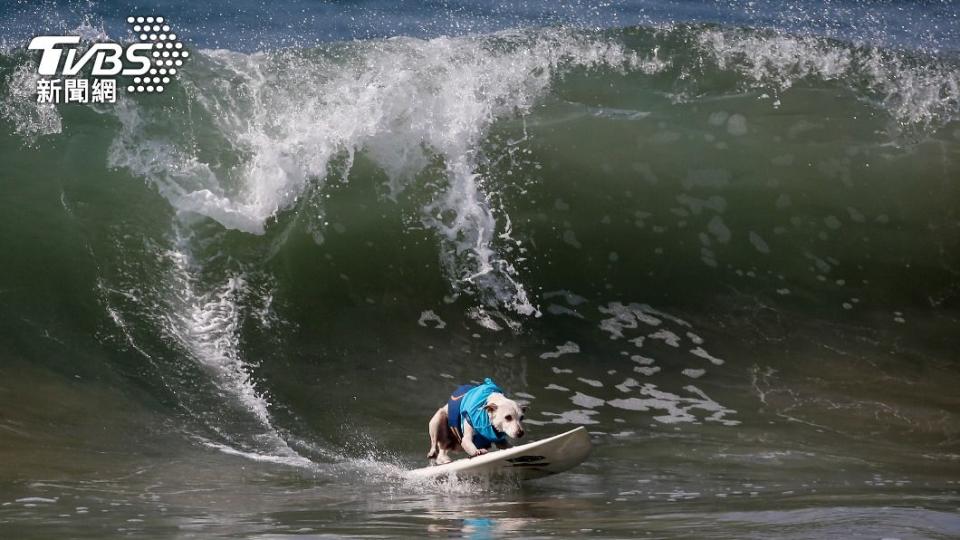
[246,137]
[281,121]
[489,145]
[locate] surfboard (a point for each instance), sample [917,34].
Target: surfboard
[528,461]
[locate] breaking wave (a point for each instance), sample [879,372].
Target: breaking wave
[246,151]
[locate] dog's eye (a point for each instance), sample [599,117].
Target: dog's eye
[509,418]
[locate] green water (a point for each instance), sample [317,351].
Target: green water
[230,310]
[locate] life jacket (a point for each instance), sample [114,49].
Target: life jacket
[468,402]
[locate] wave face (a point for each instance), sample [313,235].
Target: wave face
[247,137]
[640,228]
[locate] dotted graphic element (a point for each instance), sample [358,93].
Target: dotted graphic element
[167,53]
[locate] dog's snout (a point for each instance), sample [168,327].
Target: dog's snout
[519,433]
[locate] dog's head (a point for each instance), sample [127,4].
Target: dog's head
[506,416]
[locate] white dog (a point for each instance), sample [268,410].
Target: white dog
[474,419]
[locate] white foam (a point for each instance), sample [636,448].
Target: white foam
[577,416]
[588,402]
[29,118]
[642,360]
[699,351]
[567,348]
[759,243]
[627,384]
[666,336]
[206,323]
[913,94]
[402,102]
[678,408]
[430,316]
[626,317]
[591,382]
[285,459]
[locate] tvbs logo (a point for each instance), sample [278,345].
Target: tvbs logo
[150,63]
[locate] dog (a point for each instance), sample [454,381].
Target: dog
[474,419]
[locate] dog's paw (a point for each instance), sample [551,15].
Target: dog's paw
[432,454]
[444,459]
[480,452]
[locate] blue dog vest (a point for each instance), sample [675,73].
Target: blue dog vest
[467,403]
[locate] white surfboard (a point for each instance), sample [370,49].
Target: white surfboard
[528,461]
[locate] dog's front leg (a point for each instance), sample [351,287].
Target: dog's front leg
[467,442]
[437,424]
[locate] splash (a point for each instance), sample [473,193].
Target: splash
[19,105]
[294,117]
[206,322]
[918,93]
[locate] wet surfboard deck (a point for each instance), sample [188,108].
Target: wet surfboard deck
[528,461]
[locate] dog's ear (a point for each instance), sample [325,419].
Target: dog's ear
[491,408]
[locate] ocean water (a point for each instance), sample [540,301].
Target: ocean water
[724,236]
